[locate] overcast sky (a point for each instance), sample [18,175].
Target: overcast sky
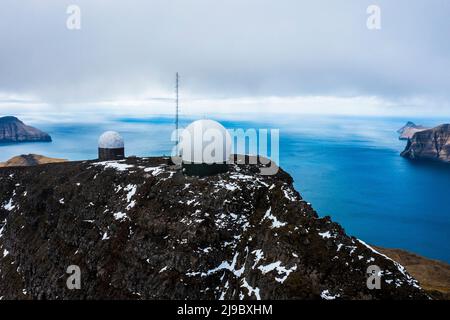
[233,55]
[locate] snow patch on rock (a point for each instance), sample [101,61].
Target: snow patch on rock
[114,165]
[281,270]
[275,222]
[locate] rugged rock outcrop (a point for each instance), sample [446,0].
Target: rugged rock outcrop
[140,229]
[432,144]
[29,160]
[409,129]
[14,130]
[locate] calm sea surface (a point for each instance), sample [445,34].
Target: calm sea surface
[348,168]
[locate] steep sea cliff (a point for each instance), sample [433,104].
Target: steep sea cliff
[431,144]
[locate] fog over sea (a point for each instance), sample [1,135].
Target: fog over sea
[347,167]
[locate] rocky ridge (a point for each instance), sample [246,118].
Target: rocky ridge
[140,229]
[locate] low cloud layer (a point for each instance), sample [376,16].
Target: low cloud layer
[130,50]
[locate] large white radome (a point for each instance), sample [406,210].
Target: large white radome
[110,140]
[205,141]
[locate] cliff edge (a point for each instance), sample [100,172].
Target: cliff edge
[432,144]
[14,130]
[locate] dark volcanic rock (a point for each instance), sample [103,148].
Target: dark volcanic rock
[14,130]
[432,144]
[140,229]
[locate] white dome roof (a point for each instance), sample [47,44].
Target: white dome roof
[110,140]
[205,141]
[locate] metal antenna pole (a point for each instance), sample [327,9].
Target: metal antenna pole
[176,111]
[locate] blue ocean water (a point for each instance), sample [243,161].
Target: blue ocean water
[347,167]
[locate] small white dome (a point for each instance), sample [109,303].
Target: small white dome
[110,140]
[205,141]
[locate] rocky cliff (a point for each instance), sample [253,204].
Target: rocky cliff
[432,144]
[409,129]
[14,130]
[29,160]
[140,229]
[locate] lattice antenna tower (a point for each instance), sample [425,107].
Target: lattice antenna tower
[177,109]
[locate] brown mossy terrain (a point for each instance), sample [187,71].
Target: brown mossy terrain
[141,229]
[29,160]
[433,275]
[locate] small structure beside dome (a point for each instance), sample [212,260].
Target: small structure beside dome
[111,146]
[205,148]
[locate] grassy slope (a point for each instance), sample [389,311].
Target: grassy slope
[433,275]
[31,159]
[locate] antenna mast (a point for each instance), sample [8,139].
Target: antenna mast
[177,110]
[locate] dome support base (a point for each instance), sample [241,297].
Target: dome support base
[204,169]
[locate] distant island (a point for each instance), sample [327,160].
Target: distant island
[430,144]
[409,129]
[25,160]
[14,130]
